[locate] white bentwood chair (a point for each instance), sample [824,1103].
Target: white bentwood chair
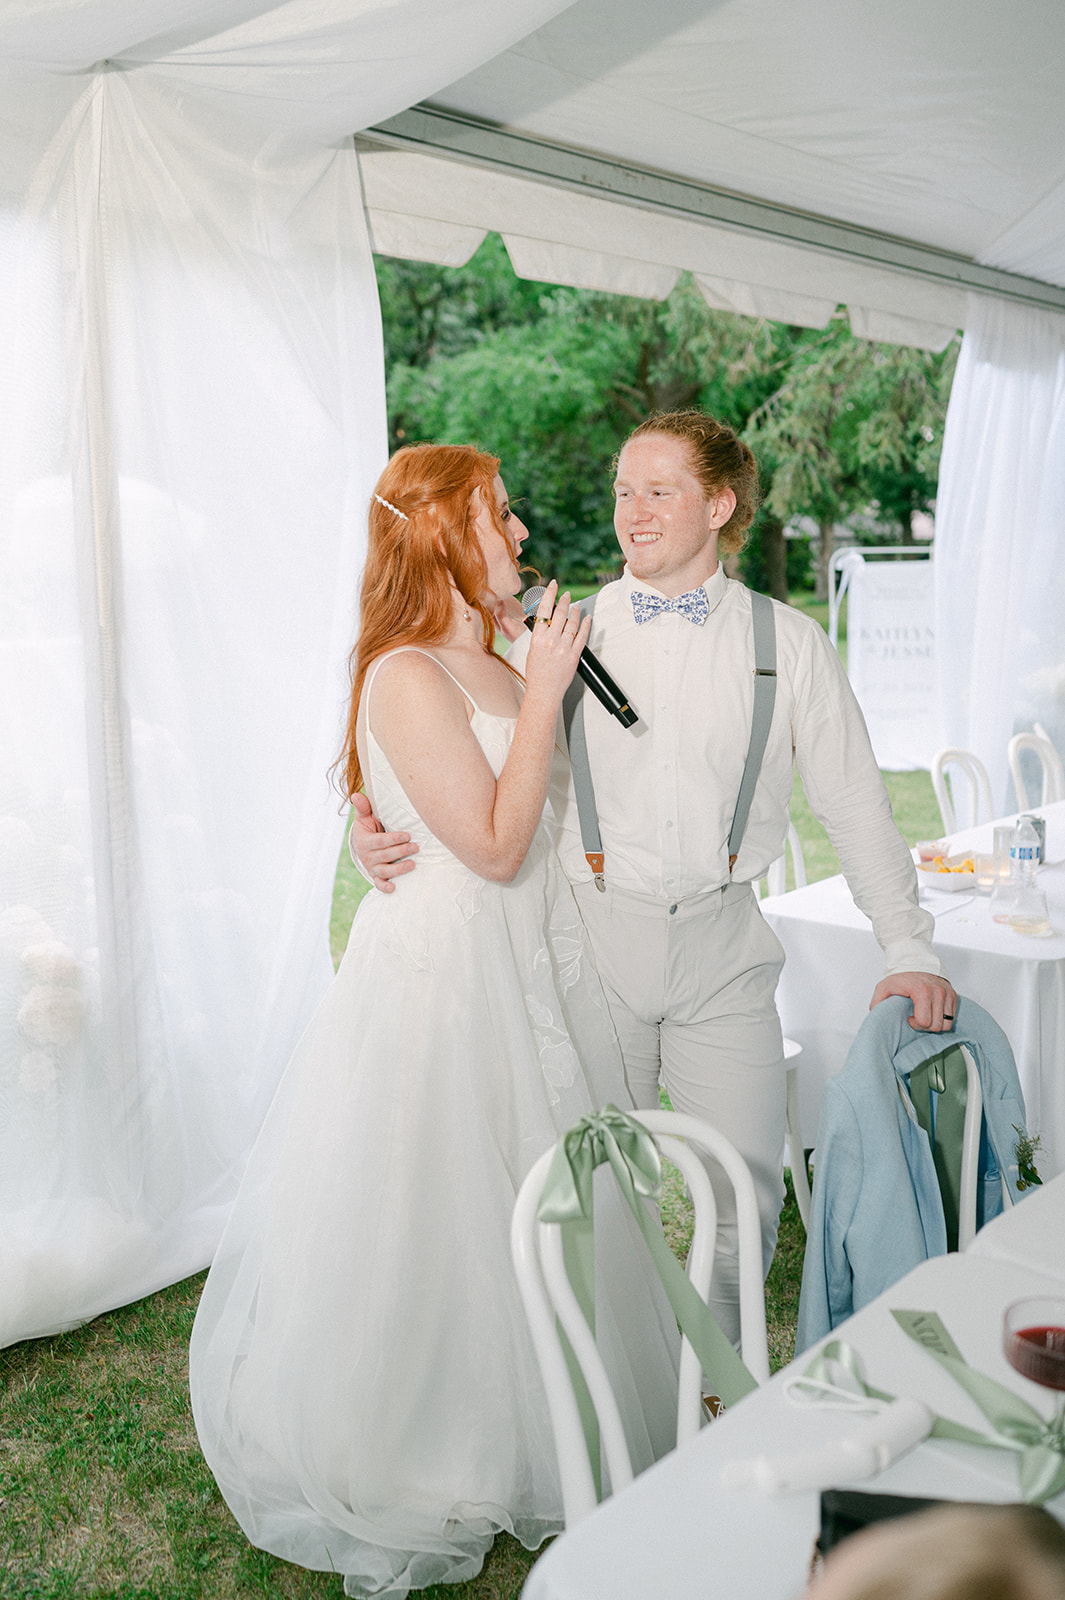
[970,1154]
[549,1299]
[1053,771]
[800,1177]
[777,883]
[980,785]
[969,1175]
[776,877]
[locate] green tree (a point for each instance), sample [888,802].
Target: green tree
[552,379]
[430,311]
[853,427]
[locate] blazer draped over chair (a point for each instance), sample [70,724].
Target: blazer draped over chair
[876,1210]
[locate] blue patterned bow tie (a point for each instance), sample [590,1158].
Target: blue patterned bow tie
[694,605]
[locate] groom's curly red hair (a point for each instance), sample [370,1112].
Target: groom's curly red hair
[415,557]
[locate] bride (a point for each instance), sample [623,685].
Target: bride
[363,1384]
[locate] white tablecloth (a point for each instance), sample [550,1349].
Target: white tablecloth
[834,963]
[1031,1235]
[676,1533]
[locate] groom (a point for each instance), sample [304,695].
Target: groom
[687,962]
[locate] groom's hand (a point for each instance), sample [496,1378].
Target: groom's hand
[933,999]
[380,856]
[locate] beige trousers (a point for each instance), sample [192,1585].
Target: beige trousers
[690,987]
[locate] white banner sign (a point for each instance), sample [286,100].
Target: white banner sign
[891,656]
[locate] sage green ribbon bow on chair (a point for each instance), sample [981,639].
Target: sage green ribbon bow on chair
[627,1145]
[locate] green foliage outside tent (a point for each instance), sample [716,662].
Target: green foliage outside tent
[550,379]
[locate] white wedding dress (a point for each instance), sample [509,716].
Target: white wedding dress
[363,1383]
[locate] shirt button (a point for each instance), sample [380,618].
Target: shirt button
[669,824]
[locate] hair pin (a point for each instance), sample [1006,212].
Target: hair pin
[381,501]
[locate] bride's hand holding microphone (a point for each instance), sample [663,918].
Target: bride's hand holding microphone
[559,634]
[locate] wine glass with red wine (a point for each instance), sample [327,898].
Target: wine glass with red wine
[1033,1340]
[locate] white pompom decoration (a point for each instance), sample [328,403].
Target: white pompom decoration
[51,1015]
[52,962]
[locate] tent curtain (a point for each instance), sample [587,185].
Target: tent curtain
[192,418]
[1000,580]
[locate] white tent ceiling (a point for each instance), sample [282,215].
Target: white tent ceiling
[938,126]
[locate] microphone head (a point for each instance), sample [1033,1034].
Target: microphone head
[531,598]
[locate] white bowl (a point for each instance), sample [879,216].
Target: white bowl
[930,877]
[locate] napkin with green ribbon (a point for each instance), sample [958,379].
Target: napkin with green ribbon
[1015,1425]
[613,1137]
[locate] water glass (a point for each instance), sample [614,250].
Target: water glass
[987,873]
[1003,841]
[1029,913]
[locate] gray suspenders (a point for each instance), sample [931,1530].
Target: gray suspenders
[765,693]
[573,722]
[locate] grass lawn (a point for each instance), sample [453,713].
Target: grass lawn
[103,1490]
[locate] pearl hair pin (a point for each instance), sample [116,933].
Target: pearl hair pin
[381,501]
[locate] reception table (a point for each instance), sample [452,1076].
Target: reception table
[1031,1235]
[676,1532]
[834,963]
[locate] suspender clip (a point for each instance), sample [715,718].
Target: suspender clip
[765,672]
[597,861]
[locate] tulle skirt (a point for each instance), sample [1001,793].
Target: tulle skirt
[362,1378]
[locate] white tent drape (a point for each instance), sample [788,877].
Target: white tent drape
[191,421]
[1000,530]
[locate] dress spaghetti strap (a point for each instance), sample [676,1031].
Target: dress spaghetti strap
[408,649]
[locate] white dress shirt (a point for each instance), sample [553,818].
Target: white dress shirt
[666,789]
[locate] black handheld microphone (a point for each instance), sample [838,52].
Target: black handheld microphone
[589,668]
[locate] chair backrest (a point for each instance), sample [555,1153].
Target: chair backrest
[1053,772]
[964,1161]
[776,877]
[980,784]
[549,1300]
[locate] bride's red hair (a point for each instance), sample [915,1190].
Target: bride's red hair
[418,554]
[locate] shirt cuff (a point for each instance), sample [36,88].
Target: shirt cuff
[912,955]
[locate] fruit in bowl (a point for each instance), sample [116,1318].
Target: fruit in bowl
[951,864]
[948,872]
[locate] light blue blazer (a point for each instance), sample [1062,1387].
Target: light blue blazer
[876,1210]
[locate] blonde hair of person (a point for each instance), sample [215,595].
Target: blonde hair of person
[962,1552]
